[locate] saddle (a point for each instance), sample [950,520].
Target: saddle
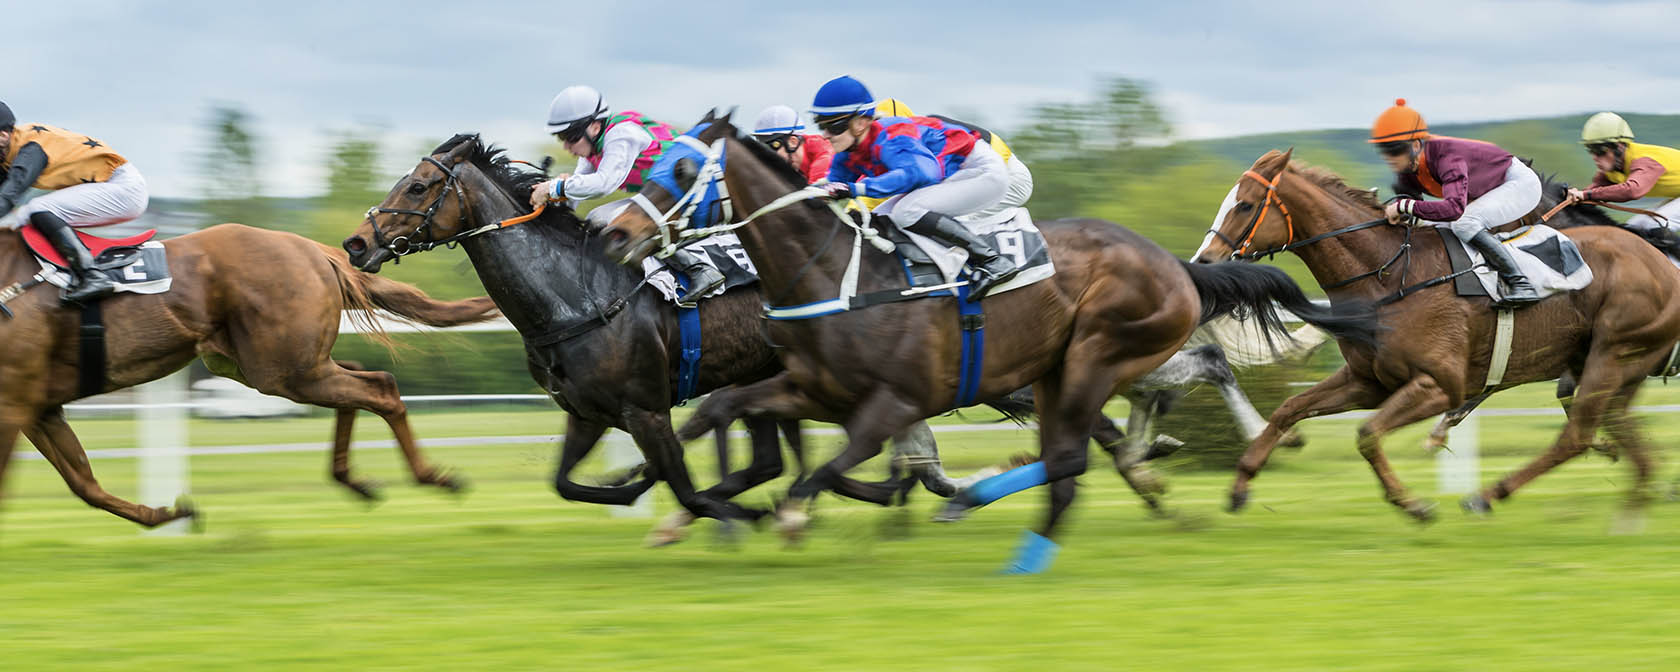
[97,246]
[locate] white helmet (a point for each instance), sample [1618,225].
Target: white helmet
[575,104]
[776,120]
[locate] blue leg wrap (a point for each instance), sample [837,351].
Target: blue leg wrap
[1006,484]
[1035,555]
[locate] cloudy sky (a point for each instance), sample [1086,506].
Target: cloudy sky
[143,75]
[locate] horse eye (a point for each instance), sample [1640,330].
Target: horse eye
[1244,206]
[417,188]
[685,171]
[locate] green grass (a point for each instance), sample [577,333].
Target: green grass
[1320,574]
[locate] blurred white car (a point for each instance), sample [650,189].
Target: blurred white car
[225,398]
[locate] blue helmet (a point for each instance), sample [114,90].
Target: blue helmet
[842,95]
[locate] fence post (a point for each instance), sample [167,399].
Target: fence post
[163,446]
[1458,469]
[623,454]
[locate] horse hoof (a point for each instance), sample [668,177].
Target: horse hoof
[1433,445]
[955,510]
[185,508]
[454,483]
[791,524]
[672,529]
[1422,512]
[1239,501]
[1476,504]
[727,535]
[1292,439]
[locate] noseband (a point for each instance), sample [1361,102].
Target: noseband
[1241,251]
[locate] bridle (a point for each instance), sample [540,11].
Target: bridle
[1241,252]
[421,239]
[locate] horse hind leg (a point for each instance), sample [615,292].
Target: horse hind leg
[346,390]
[1624,428]
[55,440]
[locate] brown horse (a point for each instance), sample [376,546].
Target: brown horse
[259,306]
[1117,308]
[1438,352]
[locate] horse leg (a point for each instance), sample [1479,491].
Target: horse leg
[343,423]
[1603,379]
[1132,452]
[651,429]
[880,414]
[796,443]
[581,437]
[1437,439]
[1625,430]
[1342,391]
[766,465]
[54,439]
[720,437]
[332,385]
[1417,400]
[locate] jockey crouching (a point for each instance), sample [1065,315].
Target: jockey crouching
[779,129]
[615,151]
[91,185]
[939,171]
[1020,178]
[1481,187]
[1627,171]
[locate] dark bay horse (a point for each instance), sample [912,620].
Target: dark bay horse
[261,307]
[601,342]
[1437,354]
[1118,307]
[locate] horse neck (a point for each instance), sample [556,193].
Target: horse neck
[538,285]
[1335,259]
[16,261]
[782,243]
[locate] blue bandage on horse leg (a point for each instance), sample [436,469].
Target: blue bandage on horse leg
[1006,484]
[1035,555]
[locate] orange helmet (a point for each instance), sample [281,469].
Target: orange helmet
[1398,124]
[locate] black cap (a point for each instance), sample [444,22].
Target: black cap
[7,119]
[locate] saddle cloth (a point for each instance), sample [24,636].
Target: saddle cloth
[136,264]
[723,252]
[1550,259]
[929,262]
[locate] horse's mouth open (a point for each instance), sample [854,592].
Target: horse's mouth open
[375,259]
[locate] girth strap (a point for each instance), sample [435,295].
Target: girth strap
[90,368]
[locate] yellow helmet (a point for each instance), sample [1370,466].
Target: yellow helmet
[892,108]
[1604,128]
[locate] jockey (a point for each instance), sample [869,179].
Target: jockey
[90,185]
[779,129]
[1020,179]
[940,171]
[1628,170]
[1480,186]
[615,151]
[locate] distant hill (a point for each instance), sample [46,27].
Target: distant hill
[1553,143]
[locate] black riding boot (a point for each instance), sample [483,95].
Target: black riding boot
[89,284]
[1518,290]
[991,269]
[702,278]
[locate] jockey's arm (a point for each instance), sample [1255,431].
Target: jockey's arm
[1455,194]
[618,157]
[910,166]
[31,161]
[1642,175]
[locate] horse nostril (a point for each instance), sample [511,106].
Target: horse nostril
[354,245]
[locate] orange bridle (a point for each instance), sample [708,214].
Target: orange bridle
[1247,236]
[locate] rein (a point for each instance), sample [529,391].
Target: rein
[1637,211]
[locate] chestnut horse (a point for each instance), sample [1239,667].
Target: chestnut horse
[261,307]
[1437,354]
[1117,308]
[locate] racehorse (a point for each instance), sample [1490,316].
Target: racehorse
[602,343]
[1117,307]
[1608,336]
[261,307]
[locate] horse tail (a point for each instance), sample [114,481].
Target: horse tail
[1253,291]
[364,292]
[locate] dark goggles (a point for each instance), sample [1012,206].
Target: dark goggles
[1395,148]
[575,132]
[781,141]
[1601,149]
[835,125]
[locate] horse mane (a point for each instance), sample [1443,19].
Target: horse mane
[1334,184]
[1553,191]
[512,177]
[778,165]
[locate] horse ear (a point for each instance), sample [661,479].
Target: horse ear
[711,116]
[1286,156]
[730,113]
[463,149]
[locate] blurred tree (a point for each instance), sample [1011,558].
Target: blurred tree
[353,167]
[1081,152]
[232,190]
